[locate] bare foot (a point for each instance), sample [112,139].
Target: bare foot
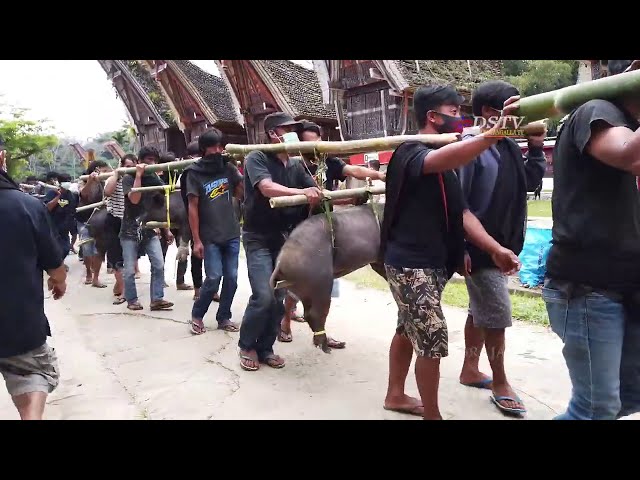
[404,404]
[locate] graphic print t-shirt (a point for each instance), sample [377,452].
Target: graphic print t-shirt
[64,213]
[219,222]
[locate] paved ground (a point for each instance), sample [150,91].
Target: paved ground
[119,365]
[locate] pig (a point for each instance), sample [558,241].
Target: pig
[309,263]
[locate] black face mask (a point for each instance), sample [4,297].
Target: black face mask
[450,124]
[214,162]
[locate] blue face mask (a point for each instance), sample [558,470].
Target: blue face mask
[290,137]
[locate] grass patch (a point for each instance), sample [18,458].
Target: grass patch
[539,208]
[525,308]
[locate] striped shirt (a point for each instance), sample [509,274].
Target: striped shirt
[115,203]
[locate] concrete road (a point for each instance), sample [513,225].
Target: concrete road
[117,364]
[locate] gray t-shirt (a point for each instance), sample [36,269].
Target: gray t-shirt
[219,221]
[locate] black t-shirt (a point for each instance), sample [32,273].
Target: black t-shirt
[29,246]
[596,208]
[418,235]
[334,173]
[131,227]
[219,222]
[259,217]
[63,215]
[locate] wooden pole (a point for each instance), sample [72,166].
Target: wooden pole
[151,189]
[294,200]
[350,147]
[91,206]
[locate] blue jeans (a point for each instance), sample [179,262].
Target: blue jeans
[65,243]
[220,260]
[601,337]
[130,255]
[264,312]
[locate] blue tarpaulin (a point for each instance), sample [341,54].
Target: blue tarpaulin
[537,243]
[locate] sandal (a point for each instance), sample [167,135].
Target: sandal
[197,329]
[119,301]
[296,317]
[274,361]
[338,345]
[285,337]
[251,358]
[135,306]
[228,326]
[160,305]
[184,286]
[100,285]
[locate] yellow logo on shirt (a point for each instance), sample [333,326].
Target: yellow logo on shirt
[63,203]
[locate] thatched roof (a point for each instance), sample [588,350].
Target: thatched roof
[463,74]
[298,85]
[210,88]
[150,87]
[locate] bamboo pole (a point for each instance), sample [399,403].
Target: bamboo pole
[26,186]
[294,200]
[91,206]
[153,225]
[350,147]
[48,187]
[158,167]
[561,102]
[151,189]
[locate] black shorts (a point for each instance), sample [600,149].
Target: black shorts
[114,249]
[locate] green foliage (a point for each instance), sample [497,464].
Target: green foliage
[539,76]
[27,141]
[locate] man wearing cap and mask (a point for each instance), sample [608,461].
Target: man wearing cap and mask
[211,184]
[422,244]
[265,230]
[495,187]
[62,204]
[593,268]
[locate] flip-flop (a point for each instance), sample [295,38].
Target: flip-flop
[162,305]
[88,282]
[285,337]
[119,301]
[503,409]
[243,365]
[332,343]
[228,327]
[101,285]
[297,318]
[184,286]
[274,358]
[196,329]
[484,384]
[408,411]
[135,306]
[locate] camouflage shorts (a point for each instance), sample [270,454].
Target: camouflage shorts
[417,293]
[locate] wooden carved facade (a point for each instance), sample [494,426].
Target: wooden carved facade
[198,100]
[145,104]
[373,98]
[261,87]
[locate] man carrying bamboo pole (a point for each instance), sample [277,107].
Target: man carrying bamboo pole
[495,186]
[422,245]
[62,205]
[212,183]
[265,230]
[336,170]
[593,268]
[133,235]
[91,192]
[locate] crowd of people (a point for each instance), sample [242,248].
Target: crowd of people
[458,208]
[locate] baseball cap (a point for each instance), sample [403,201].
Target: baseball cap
[279,119]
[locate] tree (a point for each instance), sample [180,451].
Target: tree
[26,141]
[544,75]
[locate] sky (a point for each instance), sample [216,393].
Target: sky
[74,95]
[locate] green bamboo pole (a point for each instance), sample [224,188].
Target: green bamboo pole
[151,189]
[561,102]
[295,200]
[91,206]
[158,167]
[350,147]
